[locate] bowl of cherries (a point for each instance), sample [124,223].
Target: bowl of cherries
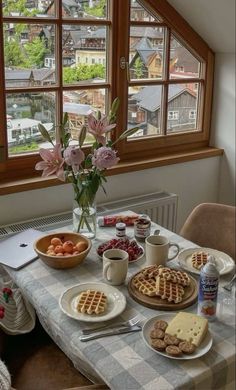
[134,250]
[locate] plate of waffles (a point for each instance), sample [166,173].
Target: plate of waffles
[193,259]
[155,337]
[163,288]
[92,302]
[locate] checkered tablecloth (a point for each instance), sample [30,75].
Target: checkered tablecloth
[125,362]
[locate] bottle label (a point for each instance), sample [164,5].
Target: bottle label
[207,296]
[120,233]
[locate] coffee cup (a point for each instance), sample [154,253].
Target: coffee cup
[157,250]
[115,266]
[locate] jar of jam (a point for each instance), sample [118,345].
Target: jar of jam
[142,227]
[120,229]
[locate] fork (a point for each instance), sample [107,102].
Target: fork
[229,285]
[131,322]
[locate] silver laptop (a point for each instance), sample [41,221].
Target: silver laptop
[17,251]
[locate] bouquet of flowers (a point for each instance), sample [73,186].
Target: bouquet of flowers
[85,172]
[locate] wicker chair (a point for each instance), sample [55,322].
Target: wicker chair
[212,225]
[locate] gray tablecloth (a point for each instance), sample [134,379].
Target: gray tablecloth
[125,362]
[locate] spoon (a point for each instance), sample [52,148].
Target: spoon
[156,232]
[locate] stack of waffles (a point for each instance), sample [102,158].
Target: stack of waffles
[91,302]
[199,259]
[163,282]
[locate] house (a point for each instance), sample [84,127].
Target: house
[89,45]
[145,105]
[77,117]
[27,77]
[183,64]
[139,13]
[19,77]
[69,8]
[139,63]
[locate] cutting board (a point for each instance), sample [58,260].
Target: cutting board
[190,297]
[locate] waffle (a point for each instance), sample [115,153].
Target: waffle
[92,302]
[172,292]
[151,271]
[199,259]
[174,276]
[145,286]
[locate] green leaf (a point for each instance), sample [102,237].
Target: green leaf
[88,161]
[67,138]
[115,105]
[82,136]
[45,133]
[126,134]
[99,115]
[113,110]
[65,119]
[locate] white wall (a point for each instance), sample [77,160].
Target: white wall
[223,124]
[194,182]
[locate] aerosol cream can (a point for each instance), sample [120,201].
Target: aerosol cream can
[208,289]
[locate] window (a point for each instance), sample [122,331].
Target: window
[87,55]
[173,115]
[192,114]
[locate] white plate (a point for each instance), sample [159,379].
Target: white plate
[200,351]
[224,263]
[116,302]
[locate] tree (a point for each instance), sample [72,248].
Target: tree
[18,6]
[138,68]
[96,10]
[83,72]
[35,52]
[13,54]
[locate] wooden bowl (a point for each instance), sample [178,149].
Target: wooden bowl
[61,262]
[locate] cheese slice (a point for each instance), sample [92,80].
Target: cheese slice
[188,327]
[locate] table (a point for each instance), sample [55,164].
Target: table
[124,362]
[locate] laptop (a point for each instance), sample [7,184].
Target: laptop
[17,251]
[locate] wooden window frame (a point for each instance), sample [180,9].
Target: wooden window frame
[176,142]
[140,152]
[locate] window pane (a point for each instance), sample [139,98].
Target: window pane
[24,112]
[137,12]
[78,105]
[182,107]
[29,55]
[29,8]
[182,63]
[146,52]
[144,110]
[84,54]
[86,9]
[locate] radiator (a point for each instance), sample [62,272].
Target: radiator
[160,206]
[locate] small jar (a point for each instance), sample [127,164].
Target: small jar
[142,228]
[120,229]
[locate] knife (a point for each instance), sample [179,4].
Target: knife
[111,332]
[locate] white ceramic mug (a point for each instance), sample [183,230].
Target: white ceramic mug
[115,266]
[157,250]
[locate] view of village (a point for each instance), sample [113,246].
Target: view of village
[30,61]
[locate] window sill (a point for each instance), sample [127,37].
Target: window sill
[10,187]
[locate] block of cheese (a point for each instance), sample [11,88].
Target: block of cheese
[189,327]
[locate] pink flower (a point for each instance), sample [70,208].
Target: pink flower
[98,127]
[74,156]
[52,162]
[104,158]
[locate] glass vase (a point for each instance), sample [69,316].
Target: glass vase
[85,219]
